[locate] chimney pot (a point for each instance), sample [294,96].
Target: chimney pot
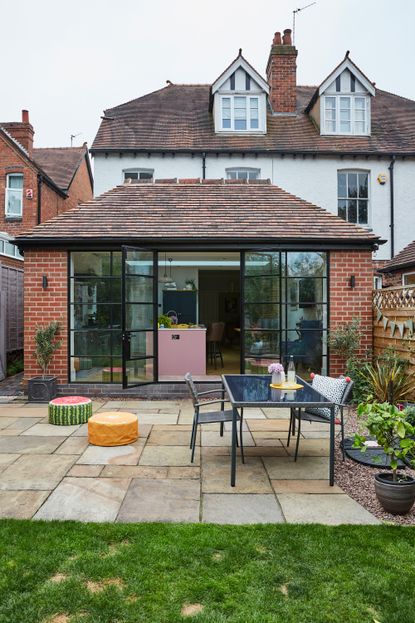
[25,116]
[286,39]
[277,39]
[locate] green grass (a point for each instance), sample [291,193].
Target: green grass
[258,574]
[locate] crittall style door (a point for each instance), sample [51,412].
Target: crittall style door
[139,316]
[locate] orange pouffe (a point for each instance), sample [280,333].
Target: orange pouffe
[112,428]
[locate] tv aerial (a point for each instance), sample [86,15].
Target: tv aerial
[295,14]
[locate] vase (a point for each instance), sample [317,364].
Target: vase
[277,378]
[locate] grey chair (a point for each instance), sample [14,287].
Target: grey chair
[214,339]
[210,417]
[319,414]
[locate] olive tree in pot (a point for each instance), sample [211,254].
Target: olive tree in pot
[395,434]
[44,388]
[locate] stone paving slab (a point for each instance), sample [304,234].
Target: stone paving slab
[85,499]
[8,459]
[328,509]
[251,477]
[82,431]
[134,471]
[73,445]
[310,447]
[7,421]
[266,450]
[113,455]
[21,504]
[304,486]
[241,509]
[178,456]
[85,471]
[213,438]
[279,413]
[161,500]
[155,418]
[171,438]
[307,468]
[29,445]
[51,430]
[268,425]
[36,472]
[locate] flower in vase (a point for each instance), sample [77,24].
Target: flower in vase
[275,368]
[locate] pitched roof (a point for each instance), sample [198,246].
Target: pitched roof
[240,61]
[60,163]
[191,210]
[403,259]
[177,118]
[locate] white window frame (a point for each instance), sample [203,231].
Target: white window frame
[407,275]
[369,212]
[137,170]
[377,282]
[248,98]
[243,170]
[14,190]
[15,253]
[337,97]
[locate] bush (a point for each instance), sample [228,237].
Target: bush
[387,378]
[46,345]
[345,339]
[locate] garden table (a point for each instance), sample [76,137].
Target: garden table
[251,390]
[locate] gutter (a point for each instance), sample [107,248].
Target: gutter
[39,198]
[392,205]
[203,165]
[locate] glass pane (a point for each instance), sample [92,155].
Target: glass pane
[253,175]
[345,103]
[259,316]
[130,175]
[409,279]
[103,316]
[90,369]
[254,124]
[360,103]
[92,343]
[345,126]
[15,181]
[141,344]
[352,185]
[92,290]
[363,185]
[242,175]
[363,212]
[359,127]
[330,103]
[352,211]
[91,263]
[138,316]
[306,316]
[262,344]
[139,263]
[140,371]
[306,264]
[265,264]
[341,185]
[231,175]
[262,289]
[139,289]
[14,202]
[146,175]
[306,347]
[226,123]
[342,208]
[240,124]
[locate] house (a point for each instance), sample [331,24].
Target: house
[35,185]
[400,270]
[245,255]
[344,145]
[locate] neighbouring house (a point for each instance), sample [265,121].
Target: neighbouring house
[400,271]
[35,185]
[267,272]
[344,145]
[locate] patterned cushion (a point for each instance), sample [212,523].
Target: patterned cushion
[332,389]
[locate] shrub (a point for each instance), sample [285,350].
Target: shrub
[388,378]
[46,345]
[345,339]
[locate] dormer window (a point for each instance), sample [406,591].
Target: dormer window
[240,113]
[346,114]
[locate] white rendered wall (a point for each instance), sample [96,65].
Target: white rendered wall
[312,179]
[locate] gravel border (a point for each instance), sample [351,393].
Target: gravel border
[357,480]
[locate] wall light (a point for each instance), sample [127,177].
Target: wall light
[352,281]
[44,282]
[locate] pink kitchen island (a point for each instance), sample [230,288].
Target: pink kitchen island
[181,351]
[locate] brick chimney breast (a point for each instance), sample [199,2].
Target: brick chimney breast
[22,131]
[282,74]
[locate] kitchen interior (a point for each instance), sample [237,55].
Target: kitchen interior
[199,314]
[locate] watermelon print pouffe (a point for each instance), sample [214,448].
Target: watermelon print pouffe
[69,410]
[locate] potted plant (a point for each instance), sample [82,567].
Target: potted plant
[164,321]
[277,371]
[394,433]
[190,284]
[44,388]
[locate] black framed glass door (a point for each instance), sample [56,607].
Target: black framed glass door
[139,316]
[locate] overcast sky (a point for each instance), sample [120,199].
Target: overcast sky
[67,60]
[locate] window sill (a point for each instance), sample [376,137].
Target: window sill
[13,218]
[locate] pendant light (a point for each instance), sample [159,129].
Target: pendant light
[165,278]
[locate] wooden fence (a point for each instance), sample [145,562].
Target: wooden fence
[394,322]
[11,313]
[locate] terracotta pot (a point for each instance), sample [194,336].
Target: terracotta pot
[396,497]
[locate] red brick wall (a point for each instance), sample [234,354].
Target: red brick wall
[347,303]
[11,161]
[42,306]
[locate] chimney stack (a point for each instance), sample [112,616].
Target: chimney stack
[22,131]
[282,74]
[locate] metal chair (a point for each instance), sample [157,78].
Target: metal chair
[214,339]
[210,417]
[318,415]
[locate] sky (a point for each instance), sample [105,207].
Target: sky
[67,60]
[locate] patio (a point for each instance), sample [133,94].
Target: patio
[49,472]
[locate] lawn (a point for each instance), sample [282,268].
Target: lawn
[96,573]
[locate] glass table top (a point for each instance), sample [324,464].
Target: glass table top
[255,390]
